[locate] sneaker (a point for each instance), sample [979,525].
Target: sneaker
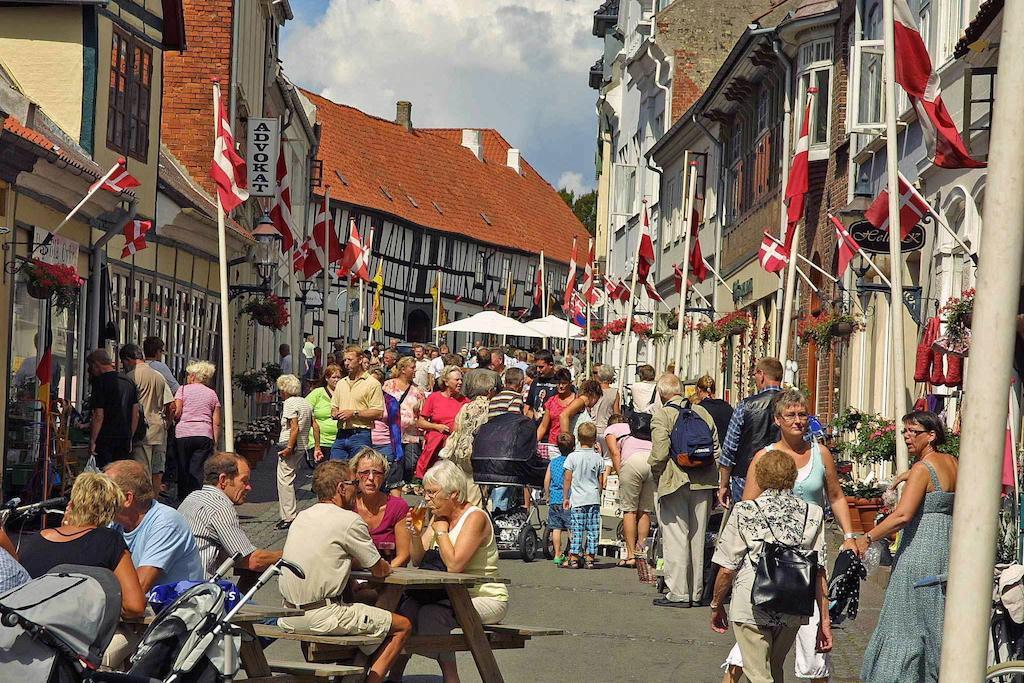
[559,560]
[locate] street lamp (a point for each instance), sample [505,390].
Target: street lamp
[262,257]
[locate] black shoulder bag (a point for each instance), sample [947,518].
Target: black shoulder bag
[784,576]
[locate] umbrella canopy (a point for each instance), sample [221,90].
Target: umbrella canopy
[491,322]
[553,326]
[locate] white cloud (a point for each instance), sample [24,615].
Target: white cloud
[519,66]
[573,181]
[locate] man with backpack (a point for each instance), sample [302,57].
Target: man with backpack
[684,452]
[751,428]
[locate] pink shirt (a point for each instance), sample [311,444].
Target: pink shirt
[628,445]
[198,402]
[410,409]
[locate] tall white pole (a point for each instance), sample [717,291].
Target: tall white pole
[627,333]
[975,526]
[898,366]
[590,306]
[437,311]
[681,313]
[328,236]
[691,196]
[362,292]
[787,305]
[543,292]
[225,314]
[508,304]
[569,298]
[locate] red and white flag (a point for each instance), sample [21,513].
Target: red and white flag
[570,280]
[773,255]
[589,292]
[646,253]
[118,181]
[354,260]
[281,209]
[697,266]
[677,277]
[846,246]
[299,256]
[913,207]
[227,168]
[323,247]
[652,293]
[616,289]
[538,284]
[135,236]
[796,188]
[915,73]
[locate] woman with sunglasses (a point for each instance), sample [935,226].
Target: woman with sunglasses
[925,514]
[816,479]
[381,512]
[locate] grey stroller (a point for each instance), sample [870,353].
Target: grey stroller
[55,628]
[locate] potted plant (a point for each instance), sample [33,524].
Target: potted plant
[272,371]
[641,329]
[873,437]
[733,324]
[598,335]
[615,326]
[253,442]
[251,382]
[53,281]
[709,332]
[959,313]
[267,310]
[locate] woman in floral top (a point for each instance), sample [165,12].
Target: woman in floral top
[410,398]
[765,636]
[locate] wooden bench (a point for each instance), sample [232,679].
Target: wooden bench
[340,673]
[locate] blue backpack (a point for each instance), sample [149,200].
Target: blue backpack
[691,443]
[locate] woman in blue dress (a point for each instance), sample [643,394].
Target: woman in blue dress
[906,643]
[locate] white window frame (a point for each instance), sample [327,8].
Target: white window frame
[855,92]
[950,27]
[815,56]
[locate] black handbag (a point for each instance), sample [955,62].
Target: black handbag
[784,576]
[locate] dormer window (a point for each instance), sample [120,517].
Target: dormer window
[815,70]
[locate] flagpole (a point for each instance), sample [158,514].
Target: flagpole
[899,378]
[590,306]
[508,302]
[326,254]
[871,264]
[715,273]
[437,311]
[225,314]
[806,279]
[543,292]
[362,292]
[567,298]
[813,266]
[975,515]
[691,196]
[94,189]
[627,333]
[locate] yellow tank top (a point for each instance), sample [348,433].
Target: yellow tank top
[484,561]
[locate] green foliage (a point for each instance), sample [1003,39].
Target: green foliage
[874,437]
[584,206]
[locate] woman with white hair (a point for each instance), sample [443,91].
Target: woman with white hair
[293,444]
[460,537]
[197,413]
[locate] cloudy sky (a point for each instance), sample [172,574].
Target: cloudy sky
[519,66]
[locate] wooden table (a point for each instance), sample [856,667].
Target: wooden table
[402,579]
[253,659]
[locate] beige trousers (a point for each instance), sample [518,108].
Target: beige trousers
[764,650]
[286,469]
[683,519]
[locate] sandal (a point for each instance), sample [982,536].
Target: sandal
[589,563]
[628,564]
[571,562]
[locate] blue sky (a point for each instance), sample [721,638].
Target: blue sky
[519,66]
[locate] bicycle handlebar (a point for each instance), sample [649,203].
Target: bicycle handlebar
[41,505]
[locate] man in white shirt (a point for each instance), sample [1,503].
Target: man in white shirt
[308,356]
[285,352]
[437,361]
[326,540]
[423,373]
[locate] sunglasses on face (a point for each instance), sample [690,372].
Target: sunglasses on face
[363,474]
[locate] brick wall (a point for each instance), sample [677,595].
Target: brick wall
[699,35]
[187,125]
[743,240]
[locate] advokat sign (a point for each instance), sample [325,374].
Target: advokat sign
[876,241]
[261,145]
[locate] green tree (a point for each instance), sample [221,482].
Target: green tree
[585,208]
[568,196]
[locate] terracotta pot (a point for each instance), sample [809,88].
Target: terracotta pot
[252,452]
[38,291]
[867,516]
[855,518]
[842,329]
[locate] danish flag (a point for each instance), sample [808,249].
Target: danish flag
[652,293]
[570,280]
[299,257]
[589,292]
[913,207]
[677,277]
[538,284]
[281,210]
[355,259]
[646,253]
[846,246]
[118,181]
[697,265]
[322,249]
[796,188]
[227,168]
[135,236]
[773,255]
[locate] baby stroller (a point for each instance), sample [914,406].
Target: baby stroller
[56,628]
[505,453]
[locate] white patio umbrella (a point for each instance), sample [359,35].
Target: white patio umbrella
[491,322]
[553,326]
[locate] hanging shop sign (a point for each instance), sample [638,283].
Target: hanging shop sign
[876,241]
[262,145]
[59,250]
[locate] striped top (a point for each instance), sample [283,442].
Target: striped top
[212,518]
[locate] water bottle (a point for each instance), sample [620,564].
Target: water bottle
[873,557]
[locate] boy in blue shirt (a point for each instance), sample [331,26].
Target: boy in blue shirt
[584,479]
[558,517]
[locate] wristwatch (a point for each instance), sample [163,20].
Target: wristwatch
[850,536]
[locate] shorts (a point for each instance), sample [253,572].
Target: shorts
[356,619]
[558,518]
[636,485]
[153,457]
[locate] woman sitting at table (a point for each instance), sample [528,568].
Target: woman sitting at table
[382,513]
[461,536]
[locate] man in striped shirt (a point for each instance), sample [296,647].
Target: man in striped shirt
[210,513]
[509,399]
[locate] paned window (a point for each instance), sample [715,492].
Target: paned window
[131,74]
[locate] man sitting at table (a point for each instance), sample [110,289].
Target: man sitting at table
[325,540]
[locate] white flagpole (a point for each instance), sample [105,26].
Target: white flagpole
[627,333]
[590,306]
[871,264]
[543,292]
[899,379]
[806,279]
[812,265]
[96,188]
[326,256]
[691,196]
[508,303]
[975,515]
[681,313]
[566,311]
[715,273]
[225,314]
[362,289]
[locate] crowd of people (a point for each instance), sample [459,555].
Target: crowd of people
[376,427]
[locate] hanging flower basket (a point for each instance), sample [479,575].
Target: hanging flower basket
[959,314]
[598,335]
[269,311]
[825,328]
[53,281]
[616,326]
[641,329]
[842,329]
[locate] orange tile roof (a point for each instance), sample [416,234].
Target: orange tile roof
[417,169]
